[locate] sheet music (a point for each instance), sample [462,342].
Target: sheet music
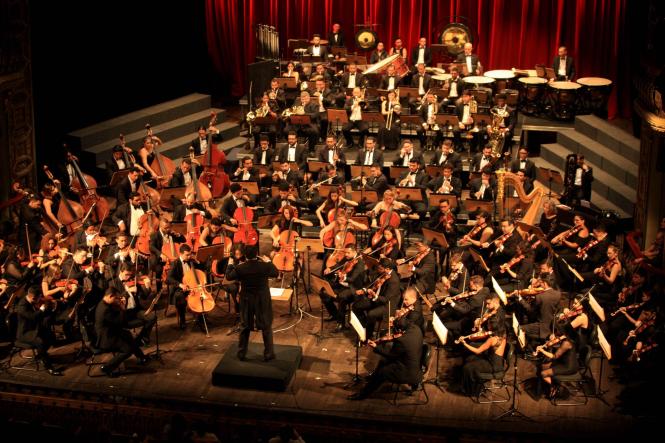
[358,327]
[519,333]
[600,312]
[604,345]
[500,292]
[439,328]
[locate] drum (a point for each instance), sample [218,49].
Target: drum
[396,60]
[531,94]
[594,95]
[564,99]
[478,80]
[440,79]
[503,78]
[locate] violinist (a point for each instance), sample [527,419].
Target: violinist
[129,185]
[157,239]
[573,238]
[622,320]
[31,216]
[443,220]
[330,153]
[561,354]
[446,183]
[147,154]
[423,267]
[127,215]
[458,312]
[481,232]
[503,247]
[594,253]
[111,334]
[246,172]
[17,273]
[489,356]
[34,318]
[372,302]
[118,161]
[457,278]
[134,291]
[178,290]
[575,320]
[516,272]
[182,176]
[390,245]
[51,203]
[122,253]
[348,276]
[51,253]
[54,286]
[400,353]
[89,239]
[543,307]
[608,277]
[238,198]
[334,204]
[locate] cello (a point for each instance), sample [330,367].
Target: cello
[201,193]
[246,233]
[388,218]
[285,258]
[213,161]
[162,165]
[147,225]
[340,240]
[70,213]
[199,299]
[86,187]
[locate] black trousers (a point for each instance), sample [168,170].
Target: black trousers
[361,126]
[369,313]
[126,347]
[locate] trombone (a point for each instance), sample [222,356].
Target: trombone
[392,109]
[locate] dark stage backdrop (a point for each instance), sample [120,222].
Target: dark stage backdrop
[510,33]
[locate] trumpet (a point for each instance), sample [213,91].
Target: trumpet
[431,116]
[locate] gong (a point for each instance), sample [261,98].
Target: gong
[454,36]
[366,39]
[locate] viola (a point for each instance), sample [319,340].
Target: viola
[69,284]
[388,218]
[213,161]
[476,336]
[389,246]
[284,260]
[375,286]
[246,233]
[162,165]
[548,344]
[648,321]
[512,262]
[86,186]
[70,213]
[628,308]
[567,234]
[527,291]
[460,296]
[582,252]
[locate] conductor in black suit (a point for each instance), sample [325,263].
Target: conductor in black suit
[563,65]
[255,301]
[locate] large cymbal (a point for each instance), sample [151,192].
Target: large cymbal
[366,39]
[454,36]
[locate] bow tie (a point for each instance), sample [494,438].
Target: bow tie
[136,206]
[486,158]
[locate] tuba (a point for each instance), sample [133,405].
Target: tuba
[497,137]
[569,177]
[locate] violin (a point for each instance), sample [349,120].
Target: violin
[476,336]
[70,213]
[629,308]
[606,268]
[388,218]
[388,247]
[625,292]
[636,356]
[577,310]
[644,324]
[460,296]
[548,344]
[69,284]
[213,161]
[582,252]
[475,231]
[86,186]
[246,232]
[162,165]
[478,324]
[567,234]
[527,291]
[347,267]
[284,260]
[512,262]
[375,286]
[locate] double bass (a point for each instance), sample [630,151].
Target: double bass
[213,161]
[70,213]
[148,223]
[246,232]
[201,193]
[162,165]
[86,187]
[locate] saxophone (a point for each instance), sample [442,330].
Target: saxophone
[497,137]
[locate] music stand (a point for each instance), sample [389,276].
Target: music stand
[360,170]
[479,259]
[324,190]
[481,119]
[319,286]
[442,338]
[549,73]
[265,121]
[281,294]
[365,196]
[406,193]
[408,93]
[373,117]
[309,245]
[300,120]
[549,176]
[362,337]
[521,340]
[370,262]
[607,352]
[251,188]
[316,166]
[338,51]
[396,171]
[338,116]
[435,199]
[118,176]
[431,236]
[286,82]
[434,170]
[473,205]
[168,194]
[205,252]
[447,120]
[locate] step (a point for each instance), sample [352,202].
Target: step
[179,127]
[604,184]
[609,161]
[136,121]
[620,141]
[596,198]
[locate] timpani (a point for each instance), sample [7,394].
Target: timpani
[564,99]
[503,78]
[531,94]
[594,95]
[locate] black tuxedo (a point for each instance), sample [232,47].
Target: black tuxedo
[415,80]
[323,51]
[477,159]
[156,242]
[253,176]
[425,273]
[370,311]
[489,193]
[385,81]
[111,335]
[529,168]
[112,167]
[363,127]
[375,57]
[345,79]
[570,67]
[461,58]
[300,155]
[196,144]
[435,184]
[324,156]
[415,155]
[459,86]
[427,56]
[33,327]
[280,96]
[229,206]
[377,157]
[123,214]
[378,184]
[124,189]
[258,153]
[340,39]
[174,279]
[453,159]
[178,177]
[545,305]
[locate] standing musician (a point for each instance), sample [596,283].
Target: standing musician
[507,122]
[398,48]
[391,80]
[563,65]
[112,335]
[147,154]
[330,153]
[50,205]
[31,217]
[581,186]
[178,290]
[415,177]
[317,49]
[400,353]
[470,60]
[263,153]
[542,307]
[379,54]
[348,277]
[255,301]
[457,312]
[446,183]
[269,107]
[204,139]
[489,356]
[447,155]
[293,152]
[423,267]
[336,36]
[483,187]
[132,293]
[129,184]
[127,215]
[372,301]
[522,163]
[354,107]
[421,55]
[34,314]
[157,239]
[369,156]
[118,161]
[389,133]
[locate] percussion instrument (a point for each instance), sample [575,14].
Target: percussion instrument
[531,95]
[441,78]
[454,36]
[401,68]
[594,95]
[478,80]
[564,99]
[366,39]
[503,78]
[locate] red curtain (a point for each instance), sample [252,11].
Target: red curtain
[508,33]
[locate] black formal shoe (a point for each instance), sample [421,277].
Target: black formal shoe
[330,318]
[144,341]
[268,357]
[241,356]
[53,371]
[356,396]
[109,372]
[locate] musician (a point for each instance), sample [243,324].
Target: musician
[454,86]
[52,289]
[31,216]
[390,109]
[354,107]
[389,246]
[515,273]
[157,240]
[268,108]
[506,244]
[111,334]
[263,154]
[341,224]
[483,160]
[542,306]
[421,54]
[322,73]
[51,204]
[178,290]
[34,317]
[285,197]
[183,175]
[127,215]
[316,49]
[563,361]
[574,238]
[294,152]
[375,182]
[423,268]
[483,227]
[415,177]
[277,93]
[147,154]
[311,130]
[203,140]
[470,60]
[118,162]
[291,72]
[458,315]
[407,154]
[391,80]
[246,171]
[330,153]
[238,198]
[372,303]
[121,253]
[288,220]
[458,276]
[443,220]
[447,155]
[522,163]
[86,238]
[632,299]
[133,292]
[581,186]
[465,117]
[549,220]
[326,100]
[446,183]
[483,187]
[352,79]
[507,123]
[378,54]
[420,80]
[287,175]
[490,355]
[129,184]
[400,353]
[181,209]
[563,65]
[527,185]
[347,277]
[428,112]
[336,36]
[335,201]
[369,155]
[593,254]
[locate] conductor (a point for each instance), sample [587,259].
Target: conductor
[255,302]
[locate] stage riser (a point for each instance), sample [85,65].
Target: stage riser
[614,138]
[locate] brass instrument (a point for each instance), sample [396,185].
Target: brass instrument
[497,136]
[473,105]
[569,177]
[431,118]
[422,100]
[293,110]
[391,111]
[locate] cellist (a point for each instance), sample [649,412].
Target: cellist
[178,292]
[286,221]
[127,215]
[330,235]
[157,239]
[147,153]
[189,206]
[237,199]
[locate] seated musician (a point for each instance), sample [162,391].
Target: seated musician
[378,54]
[34,316]
[317,49]
[268,108]
[456,280]
[122,253]
[465,125]
[369,155]
[147,154]
[522,163]
[483,187]
[375,182]
[400,353]
[277,93]
[238,198]
[489,356]
[570,240]
[527,185]
[629,304]
[129,184]
[287,175]
[372,301]
[421,54]
[331,233]
[515,273]
[54,287]
[563,65]
[443,220]
[325,98]
[416,178]
[246,172]
[389,246]
[408,154]
[353,78]
[470,60]
[562,360]
[481,232]
[335,201]
[31,215]
[506,123]
[398,48]
[157,240]
[310,130]
[542,307]
[134,290]
[263,154]
[348,277]
[423,267]
[454,86]
[388,135]
[391,80]
[181,209]
[288,220]
[127,215]
[330,153]
[178,290]
[322,73]
[294,152]
[446,183]
[608,276]
[503,247]
[182,176]
[447,155]
[420,80]
[354,106]
[287,196]
[111,334]
[428,112]
[483,160]
[291,72]
[118,161]
[457,312]
[388,203]
[215,230]
[594,253]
